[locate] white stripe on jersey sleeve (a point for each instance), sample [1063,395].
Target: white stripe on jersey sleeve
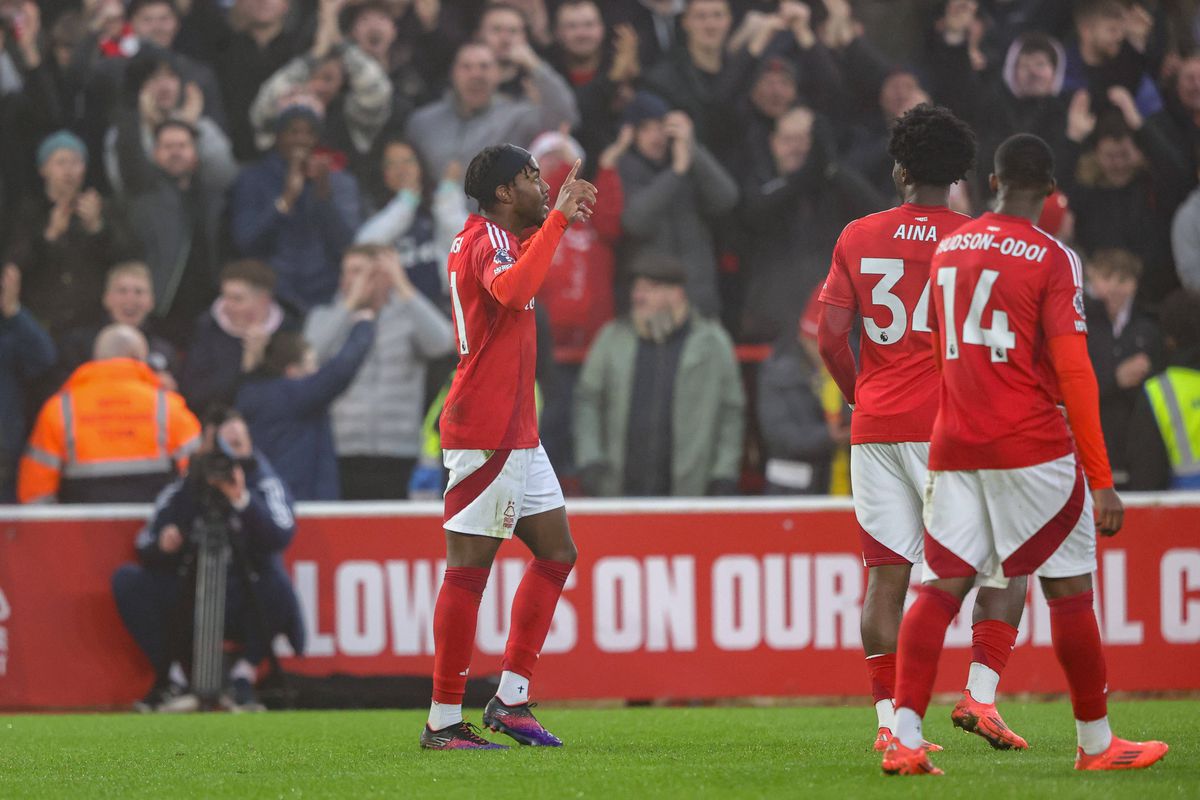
[1072,257]
[491,235]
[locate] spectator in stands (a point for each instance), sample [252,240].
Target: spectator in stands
[230,337]
[26,354]
[704,79]
[1180,119]
[791,37]
[1126,187]
[1125,345]
[63,239]
[42,101]
[654,22]
[377,421]
[1185,241]
[674,189]
[1164,432]
[577,295]
[473,114]
[1021,94]
[296,210]
[150,595]
[174,206]
[602,84]
[523,74]
[413,48]
[794,210]
[113,434]
[578,290]
[899,91]
[245,57]
[1111,51]
[154,25]
[352,87]
[286,403]
[773,93]
[154,93]
[416,218]
[536,17]
[128,300]
[371,28]
[796,432]
[659,409]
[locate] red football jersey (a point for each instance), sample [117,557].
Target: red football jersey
[881,270]
[490,405]
[1002,289]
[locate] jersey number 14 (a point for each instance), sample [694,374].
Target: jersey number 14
[997,337]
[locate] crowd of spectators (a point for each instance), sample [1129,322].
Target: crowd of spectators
[255,199]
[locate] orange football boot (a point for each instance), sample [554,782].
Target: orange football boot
[884,735]
[900,760]
[985,721]
[1123,755]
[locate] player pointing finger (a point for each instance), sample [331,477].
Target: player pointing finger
[577,197]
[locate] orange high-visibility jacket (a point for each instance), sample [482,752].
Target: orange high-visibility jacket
[111,433]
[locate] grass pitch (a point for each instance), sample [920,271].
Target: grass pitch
[637,752]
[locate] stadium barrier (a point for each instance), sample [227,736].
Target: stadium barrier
[670,599]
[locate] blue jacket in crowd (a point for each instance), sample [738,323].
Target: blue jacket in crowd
[26,354]
[304,247]
[289,418]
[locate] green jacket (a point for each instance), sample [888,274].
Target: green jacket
[708,416]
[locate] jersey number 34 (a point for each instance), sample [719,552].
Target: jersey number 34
[997,337]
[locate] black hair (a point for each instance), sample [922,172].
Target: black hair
[936,147]
[490,169]
[1038,42]
[285,349]
[477,183]
[1180,318]
[376,188]
[142,67]
[1110,124]
[351,14]
[1025,161]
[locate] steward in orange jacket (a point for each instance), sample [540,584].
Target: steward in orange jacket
[111,435]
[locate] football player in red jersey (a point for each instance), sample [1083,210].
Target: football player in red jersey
[1006,495]
[501,482]
[881,270]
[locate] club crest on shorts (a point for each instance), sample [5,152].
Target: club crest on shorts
[510,515]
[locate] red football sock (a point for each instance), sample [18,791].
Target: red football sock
[532,610]
[992,643]
[454,618]
[922,634]
[1077,644]
[882,669]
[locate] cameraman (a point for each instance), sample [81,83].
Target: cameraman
[154,596]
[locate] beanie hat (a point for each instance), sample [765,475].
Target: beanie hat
[60,140]
[645,106]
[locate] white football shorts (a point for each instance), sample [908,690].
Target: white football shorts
[888,481]
[1001,523]
[491,490]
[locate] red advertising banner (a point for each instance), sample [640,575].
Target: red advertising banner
[669,600]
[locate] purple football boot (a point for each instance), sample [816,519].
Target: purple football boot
[459,736]
[519,723]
